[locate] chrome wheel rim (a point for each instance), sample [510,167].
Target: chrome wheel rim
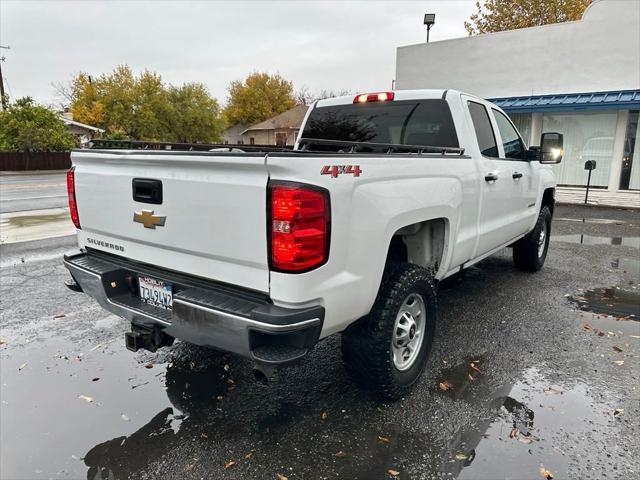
[542,239]
[408,331]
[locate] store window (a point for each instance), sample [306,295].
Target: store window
[587,136]
[522,121]
[630,174]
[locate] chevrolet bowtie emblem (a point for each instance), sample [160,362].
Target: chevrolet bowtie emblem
[148,219]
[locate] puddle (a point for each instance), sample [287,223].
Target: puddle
[35,225]
[614,301]
[597,221]
[583,239]
[529,427]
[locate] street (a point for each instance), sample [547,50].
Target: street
[32,191]
[33,206]
[529,373]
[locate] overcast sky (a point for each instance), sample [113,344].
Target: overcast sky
[320,44]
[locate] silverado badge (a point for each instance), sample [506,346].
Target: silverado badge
[148,219]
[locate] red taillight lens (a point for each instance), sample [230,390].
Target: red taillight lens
[71,191]
[298,227]
[373,97]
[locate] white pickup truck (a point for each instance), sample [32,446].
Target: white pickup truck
[264,253]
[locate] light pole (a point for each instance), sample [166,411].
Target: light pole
[429,20]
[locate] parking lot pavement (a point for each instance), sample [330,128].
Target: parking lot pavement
[520,381]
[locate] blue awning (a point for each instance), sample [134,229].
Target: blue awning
[620,99]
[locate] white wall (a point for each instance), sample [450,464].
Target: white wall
[601,52]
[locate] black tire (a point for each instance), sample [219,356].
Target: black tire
[527,252]
[367,345]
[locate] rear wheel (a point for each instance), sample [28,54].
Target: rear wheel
[530,252]
[387,350]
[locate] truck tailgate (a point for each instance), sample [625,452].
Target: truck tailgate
[213,204]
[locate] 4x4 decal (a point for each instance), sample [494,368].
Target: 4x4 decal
[335,170]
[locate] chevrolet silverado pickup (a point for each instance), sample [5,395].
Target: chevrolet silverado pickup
[265,252]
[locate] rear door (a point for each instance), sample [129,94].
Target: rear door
[498,210]
[210,221]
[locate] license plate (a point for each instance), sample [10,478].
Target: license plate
[156,292]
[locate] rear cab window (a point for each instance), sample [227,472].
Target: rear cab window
[484,129]
[405,122]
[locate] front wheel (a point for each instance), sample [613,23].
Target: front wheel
[387,350]
[530,252]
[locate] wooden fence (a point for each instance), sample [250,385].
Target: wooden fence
[17,161]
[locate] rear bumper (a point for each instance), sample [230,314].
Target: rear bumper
[204,313]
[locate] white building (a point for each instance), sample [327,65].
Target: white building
[579,78]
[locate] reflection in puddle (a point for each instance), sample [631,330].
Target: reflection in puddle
[612,301]
[530,423]
[583,239]
[35,224]
[596,221]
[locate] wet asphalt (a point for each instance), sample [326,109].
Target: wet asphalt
[553,388]
[32,191]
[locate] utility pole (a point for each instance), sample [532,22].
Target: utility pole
[2,97]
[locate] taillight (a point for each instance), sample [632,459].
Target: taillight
[71,191]
[298,226]
[373,97]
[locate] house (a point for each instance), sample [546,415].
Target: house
[233,135]
[578,78]
[279,130]
[84,133]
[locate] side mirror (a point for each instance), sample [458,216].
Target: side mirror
[551,148]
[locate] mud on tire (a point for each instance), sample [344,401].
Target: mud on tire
[368,345]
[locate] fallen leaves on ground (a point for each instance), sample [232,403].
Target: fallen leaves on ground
[618,411]
[586,327]
[446,385]
[86,398]
[619,362]
[23,365]
[96,347]
[545,473]
[383,439]
[248,455]
[617,349]
[2,342]
[461,456]
[148,365]
[340,454]
[204,435]
[61,315]
[324,415]
[514,433]
[231,381]
[552,391]
[393,473]
[279,476]
[634,336]
[471,378]
[229,464]
[189,467]
[474,366]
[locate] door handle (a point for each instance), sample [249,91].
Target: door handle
[516,175]
[491,177]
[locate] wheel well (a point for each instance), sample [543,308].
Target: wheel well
[548,198]
[420,243]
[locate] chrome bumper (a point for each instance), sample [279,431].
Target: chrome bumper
[204,313]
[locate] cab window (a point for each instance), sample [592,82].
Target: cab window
[511,141]
[484,130]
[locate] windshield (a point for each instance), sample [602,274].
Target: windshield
[406,122]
